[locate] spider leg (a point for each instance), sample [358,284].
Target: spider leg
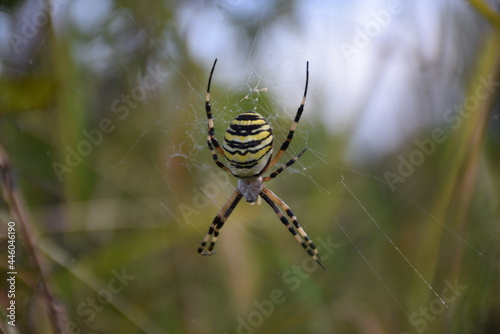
[212,142]
[218,222]
[288,139]
[301,236]
[282,168]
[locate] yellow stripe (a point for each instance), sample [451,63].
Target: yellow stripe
[237,157]
[259,121]
[247,138]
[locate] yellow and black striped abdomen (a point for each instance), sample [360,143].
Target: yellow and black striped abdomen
[248,144]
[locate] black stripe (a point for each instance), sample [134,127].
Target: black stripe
[238,166]
[245,152]
[234,145]
[249,116]
[244,165]
[253,128]
[247,162]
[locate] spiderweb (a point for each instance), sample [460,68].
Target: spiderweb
[271,82]
[274,99]
[277,100]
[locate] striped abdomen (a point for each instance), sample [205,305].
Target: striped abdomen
[248,144]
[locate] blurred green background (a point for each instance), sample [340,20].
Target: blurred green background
[105,169]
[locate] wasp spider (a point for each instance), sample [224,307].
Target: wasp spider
[248,148]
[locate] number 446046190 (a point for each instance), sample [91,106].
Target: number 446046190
[11,248]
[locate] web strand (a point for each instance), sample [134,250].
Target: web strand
[394,245]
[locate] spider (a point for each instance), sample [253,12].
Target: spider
[248,148]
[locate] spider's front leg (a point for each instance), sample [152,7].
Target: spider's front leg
[212,143]
[218,222]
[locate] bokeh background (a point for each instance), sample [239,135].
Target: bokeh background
[106,173]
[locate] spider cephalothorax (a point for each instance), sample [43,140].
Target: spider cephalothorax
[248,149]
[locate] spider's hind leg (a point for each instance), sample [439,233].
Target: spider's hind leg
[296,230]
[218,222]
